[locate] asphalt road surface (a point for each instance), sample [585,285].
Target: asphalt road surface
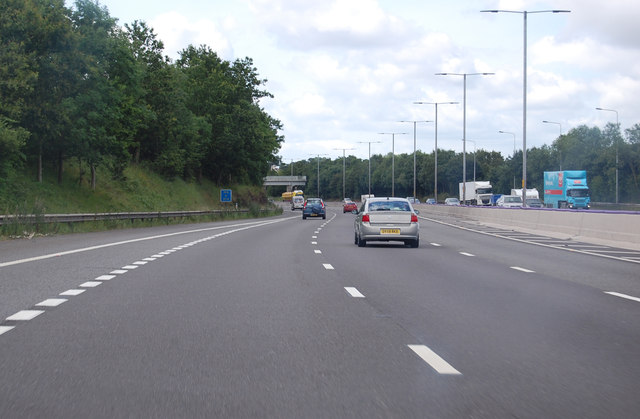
[285,318]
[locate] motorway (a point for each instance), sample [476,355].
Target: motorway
[285,318]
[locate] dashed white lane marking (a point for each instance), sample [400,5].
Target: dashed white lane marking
[327,266]
[436,245]
[25,315]
[317,252]
[354,292]
[149,259]
[105,277]
[314,237]
[73,292]
[617,294]
[157,256]
[434,360]
[90,284]
[467,254]
[52,302]
[314,242]
[119,272]
[129,267]
[5,329]
[140,262]
[517,268]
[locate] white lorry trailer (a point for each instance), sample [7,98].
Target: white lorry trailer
[476,193]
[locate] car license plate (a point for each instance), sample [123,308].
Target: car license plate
[389,231]
[313,214]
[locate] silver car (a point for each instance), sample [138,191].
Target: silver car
[387,219]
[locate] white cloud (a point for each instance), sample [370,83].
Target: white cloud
[177,32]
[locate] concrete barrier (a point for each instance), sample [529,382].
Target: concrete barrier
[615,228]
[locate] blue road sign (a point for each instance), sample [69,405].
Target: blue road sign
[225,195]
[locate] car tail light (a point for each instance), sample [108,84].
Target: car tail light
[322,204]
[365,218]
[414,218]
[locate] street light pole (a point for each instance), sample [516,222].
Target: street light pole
[344,159]
[435,174]
[319,173]
[414,154]
[514,140]
[474,159]
[618,128]
[369,158]
[393,159]
[524,93]
[464,126]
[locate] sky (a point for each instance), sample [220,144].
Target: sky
[344,71]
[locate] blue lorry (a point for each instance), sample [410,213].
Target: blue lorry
[566,189]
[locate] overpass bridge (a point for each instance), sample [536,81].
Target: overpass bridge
[289,181]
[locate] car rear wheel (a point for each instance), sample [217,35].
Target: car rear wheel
[361,243]
[304,217]
[414,243]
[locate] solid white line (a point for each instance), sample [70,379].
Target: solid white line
[244,226]
[25,315]
[617,294]
[72,292]
[517,268]
[354,292]
[52,302]
[105,277]
[431,358]
[91,284]
[317,252]
[467,254]
[5,329]
[327,266]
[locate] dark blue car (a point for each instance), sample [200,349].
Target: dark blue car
[314,207]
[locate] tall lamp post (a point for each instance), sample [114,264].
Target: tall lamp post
[474,159]
[414,154]
[464,126]
[514,139]
[393,159]
[618,127]
[435,174]
[369,158]
[318,155]
[524,93]
[344,165]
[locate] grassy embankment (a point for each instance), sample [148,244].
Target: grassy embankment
[140,191]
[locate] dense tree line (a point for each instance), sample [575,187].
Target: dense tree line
[583,148]
[76,86]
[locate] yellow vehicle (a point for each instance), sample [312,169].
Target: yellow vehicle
[286,196]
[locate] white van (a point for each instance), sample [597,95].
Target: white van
[509,201]
[297,202]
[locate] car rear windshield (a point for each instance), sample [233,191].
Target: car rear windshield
[389,206]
